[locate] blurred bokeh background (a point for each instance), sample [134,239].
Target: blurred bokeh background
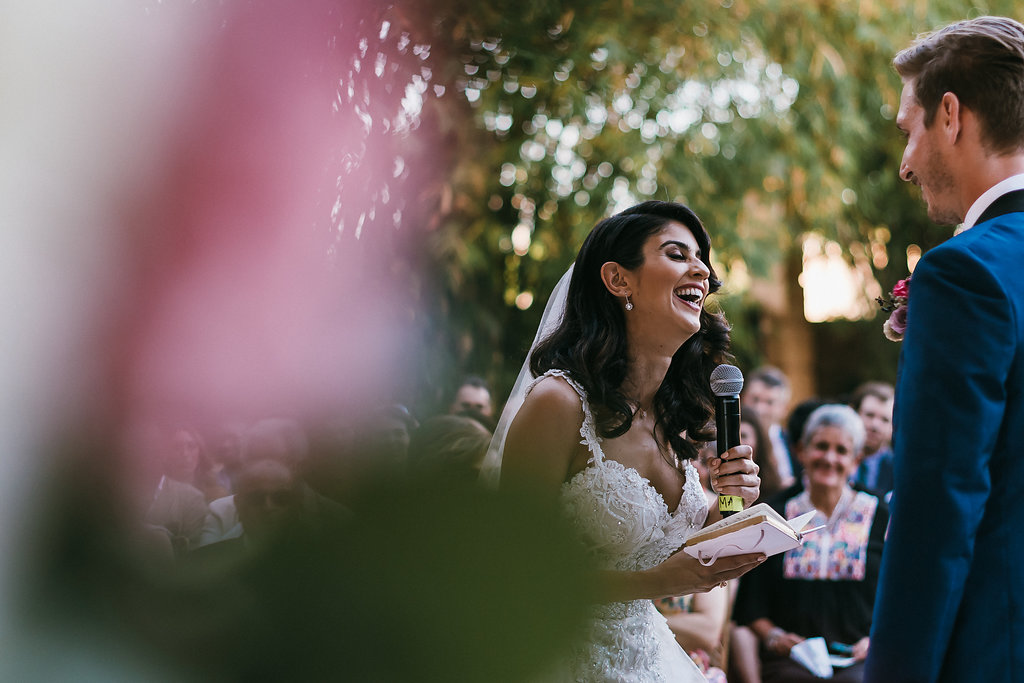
[221,208]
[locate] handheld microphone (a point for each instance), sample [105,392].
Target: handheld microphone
[726,384]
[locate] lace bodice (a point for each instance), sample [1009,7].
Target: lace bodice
[625,521]
[626,525]
[622,518]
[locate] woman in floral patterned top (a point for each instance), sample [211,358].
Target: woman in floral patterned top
[826,587]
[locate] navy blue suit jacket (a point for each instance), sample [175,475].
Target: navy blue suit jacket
[950,601]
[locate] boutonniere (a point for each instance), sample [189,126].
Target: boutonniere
[895,304]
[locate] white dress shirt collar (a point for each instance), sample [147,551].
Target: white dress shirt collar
[1014,182]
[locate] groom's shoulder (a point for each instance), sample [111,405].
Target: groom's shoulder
[996,238]
[981,264]
[995,246]
[973,250]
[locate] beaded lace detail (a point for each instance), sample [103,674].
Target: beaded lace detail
[627,526]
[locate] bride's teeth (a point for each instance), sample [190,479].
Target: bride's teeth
[696,292]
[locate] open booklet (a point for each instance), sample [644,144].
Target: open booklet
[758,529]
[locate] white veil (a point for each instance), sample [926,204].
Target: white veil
[490,470]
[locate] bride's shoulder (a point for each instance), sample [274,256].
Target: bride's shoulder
[555,391]
[544,436]
[552,400]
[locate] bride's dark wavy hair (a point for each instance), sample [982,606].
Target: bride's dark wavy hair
[590,341]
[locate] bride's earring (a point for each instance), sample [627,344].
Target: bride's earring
[629,304]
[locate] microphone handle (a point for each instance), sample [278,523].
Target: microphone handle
[727,424]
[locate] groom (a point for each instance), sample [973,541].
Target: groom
[950,602]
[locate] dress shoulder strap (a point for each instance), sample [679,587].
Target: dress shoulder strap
[588,430]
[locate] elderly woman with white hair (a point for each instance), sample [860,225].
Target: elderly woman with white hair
[826,587]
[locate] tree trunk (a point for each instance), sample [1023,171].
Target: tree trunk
[787,338]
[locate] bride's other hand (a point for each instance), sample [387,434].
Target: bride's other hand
[681,574]
[735,474]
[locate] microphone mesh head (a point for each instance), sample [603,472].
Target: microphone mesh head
[726,380]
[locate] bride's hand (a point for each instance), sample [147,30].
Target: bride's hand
[735,474]
[683,575]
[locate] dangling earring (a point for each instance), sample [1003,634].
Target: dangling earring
[629,304]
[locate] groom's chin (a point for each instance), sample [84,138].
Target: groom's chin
[944,215]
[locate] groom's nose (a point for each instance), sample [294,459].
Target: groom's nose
[905,173]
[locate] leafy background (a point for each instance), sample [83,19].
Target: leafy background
[773,120]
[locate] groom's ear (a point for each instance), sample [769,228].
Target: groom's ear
[616,279]
[950,116]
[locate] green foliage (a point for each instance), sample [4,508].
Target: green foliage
[771,119]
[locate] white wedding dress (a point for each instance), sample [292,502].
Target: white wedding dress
[627,526]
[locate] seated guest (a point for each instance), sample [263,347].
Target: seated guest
[826,587]
[271,501]
[221,522]
[743,665]
[179,507]
[767,391]
[187,460]
[486,421]
[753,434]
[795,426]
[449,447]
[268,497]
[384,439]
[873,401]
[472,394]
[698,622]
[244,570]
[280,439]
[227,444]
[179,510]
[349,456]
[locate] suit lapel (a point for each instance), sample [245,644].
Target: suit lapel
[1011,202]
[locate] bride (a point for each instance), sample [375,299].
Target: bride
[626,367]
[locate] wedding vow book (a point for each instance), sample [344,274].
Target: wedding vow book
[758,529]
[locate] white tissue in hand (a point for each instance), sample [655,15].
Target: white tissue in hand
[813,655]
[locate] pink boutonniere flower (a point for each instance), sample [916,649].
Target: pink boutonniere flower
[896,305]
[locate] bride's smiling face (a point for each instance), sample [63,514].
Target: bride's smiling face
[670,286]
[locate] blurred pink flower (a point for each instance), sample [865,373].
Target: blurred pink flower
[896,303]
[236,305]
[898,321]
